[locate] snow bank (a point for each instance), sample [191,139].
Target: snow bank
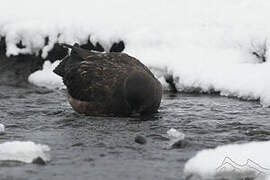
[237,161]
[46,77]
[23,151]
[209,45]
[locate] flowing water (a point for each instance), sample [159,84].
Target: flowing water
[102,148]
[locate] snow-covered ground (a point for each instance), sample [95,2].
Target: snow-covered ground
[23,151]
[236,161]
[206,44]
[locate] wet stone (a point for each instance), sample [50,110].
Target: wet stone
[77,144]
[182,143]
[39,161]
[102,155]
[140,139]
[89,159]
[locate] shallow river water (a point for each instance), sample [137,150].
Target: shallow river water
[101,148]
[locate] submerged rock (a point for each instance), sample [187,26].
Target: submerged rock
[78,144]
[179,144]
[39,161]
[108,84]
[140,139]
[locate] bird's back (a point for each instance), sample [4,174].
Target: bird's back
[101,80]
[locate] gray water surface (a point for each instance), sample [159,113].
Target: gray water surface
[102,148]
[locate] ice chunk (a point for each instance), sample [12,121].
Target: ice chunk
[233,161]
[177,139]
[23,151]
[46,77]
[174,134]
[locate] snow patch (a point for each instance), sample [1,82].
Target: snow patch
[23,151]
[231,162]
[46,77]
[246,81]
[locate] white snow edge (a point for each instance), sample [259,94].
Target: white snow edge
[231,162]
[23,151]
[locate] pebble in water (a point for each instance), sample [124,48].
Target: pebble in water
[140,139]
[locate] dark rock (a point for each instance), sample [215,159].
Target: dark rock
[182,143]
[102,155]
[77,144]
[89,45]
[118,47]
[58,52]
[20,45]
[140,139]
[46,41]
[99,47]
[39,161]
[89,159]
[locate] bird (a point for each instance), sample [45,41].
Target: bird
[108,83]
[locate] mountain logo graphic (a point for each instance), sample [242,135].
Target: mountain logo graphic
[250,168]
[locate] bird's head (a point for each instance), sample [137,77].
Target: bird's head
[77,55]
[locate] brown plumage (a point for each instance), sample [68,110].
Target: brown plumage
[108,84]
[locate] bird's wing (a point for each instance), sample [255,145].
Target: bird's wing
[94,80]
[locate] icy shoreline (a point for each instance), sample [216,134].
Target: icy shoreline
[205,48]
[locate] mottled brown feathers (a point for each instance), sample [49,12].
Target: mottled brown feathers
[113,84]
